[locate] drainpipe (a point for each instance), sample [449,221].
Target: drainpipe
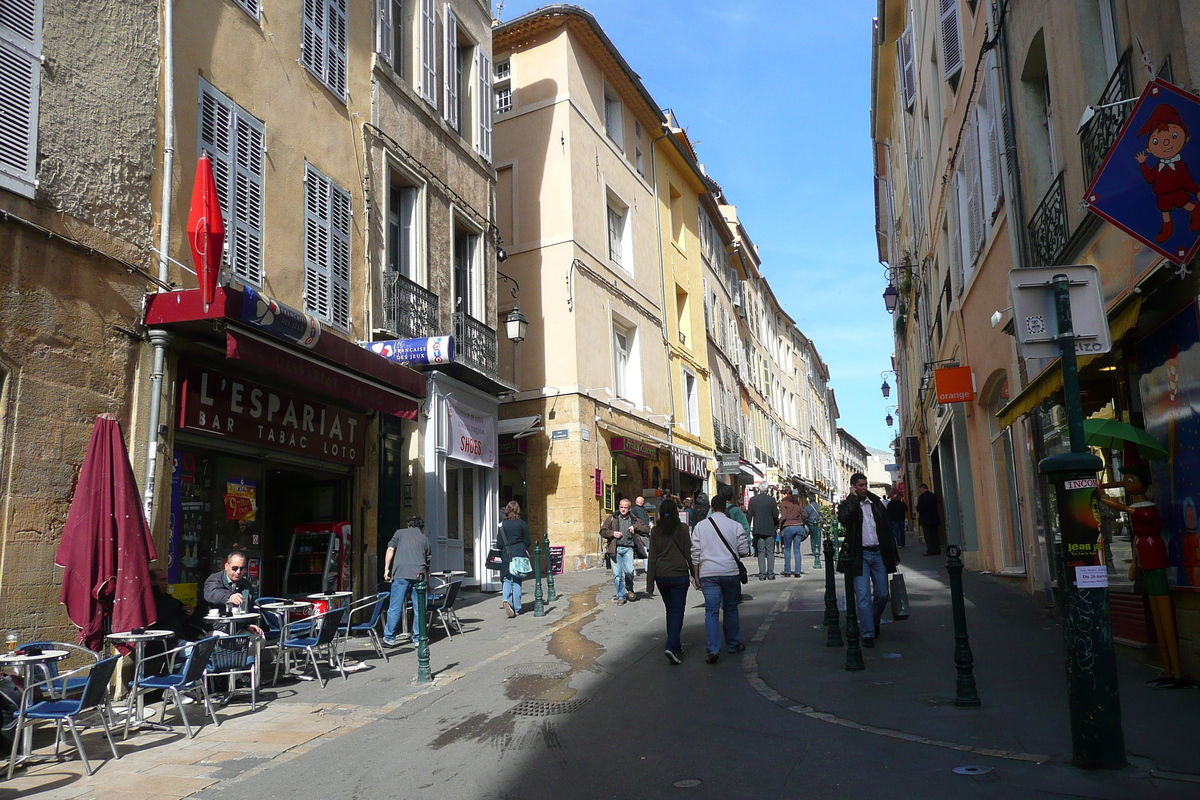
[160,339]
[662,287]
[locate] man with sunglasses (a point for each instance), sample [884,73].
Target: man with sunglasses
[229,585]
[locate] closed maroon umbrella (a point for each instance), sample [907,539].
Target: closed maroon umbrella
[106,547]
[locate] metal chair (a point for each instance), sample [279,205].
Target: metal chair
[377,603]
[50,670]
[189,678]
[93,698]
[443,605]
[327,625]
[236,656]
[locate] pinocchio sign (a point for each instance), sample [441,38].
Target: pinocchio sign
[954,384]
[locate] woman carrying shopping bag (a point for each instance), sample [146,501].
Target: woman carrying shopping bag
[515,542]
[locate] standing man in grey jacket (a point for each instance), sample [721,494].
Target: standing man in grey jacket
[764,520]
[407,561]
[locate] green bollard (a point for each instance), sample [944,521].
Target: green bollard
[551,595]
[539,608]
[423,673]
[965,694]
[816,546]
[834,637]
[854,656]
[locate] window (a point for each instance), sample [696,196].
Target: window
[394,35]
[326,249]
[614,124]
[618,234]
[428,87]
[639,162]
[676,200]
[952,58]
[21,67]
[467,292]
[235,141]
[251,7]
[908,69]
[402,229]
[502,86]
[453,89]
[683,315]
[691,404]
[323,43]
[627,367]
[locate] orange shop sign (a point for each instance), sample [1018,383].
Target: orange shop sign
[954,384]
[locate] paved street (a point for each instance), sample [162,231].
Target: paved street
[777,721]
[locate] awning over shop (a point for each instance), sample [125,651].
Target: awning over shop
[1050,379]
[519,427]
[751,471]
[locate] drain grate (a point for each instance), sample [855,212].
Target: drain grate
[545,708]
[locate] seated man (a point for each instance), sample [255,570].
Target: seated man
[229,585]
[172,614]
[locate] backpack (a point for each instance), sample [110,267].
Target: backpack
[10,707]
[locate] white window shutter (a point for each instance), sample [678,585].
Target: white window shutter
[993,179]
[20,77]
[908,69]
[336,13]
[428,83]
[451,69]
[484,104]
[326,249]
[312,38]
[383,30]
[952,58]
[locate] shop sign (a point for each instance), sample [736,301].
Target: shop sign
[690,463]
[220,405]
[428,350]
[731,464]
[912,449]
[626,445]
[598,482]
[773,476]
[512,447]
[282,322]
[472,434]
[954,384]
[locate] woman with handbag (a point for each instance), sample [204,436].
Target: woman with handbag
[515,541]
[669,568]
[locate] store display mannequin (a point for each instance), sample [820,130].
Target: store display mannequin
[1150,560]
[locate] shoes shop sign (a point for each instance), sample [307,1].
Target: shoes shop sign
[472,434]
[218,404]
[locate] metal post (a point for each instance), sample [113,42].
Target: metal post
[834,635]
[1097,738]
[816,545]
[854,656]
[539,609]
[965,695]
[551,595]
[423,673]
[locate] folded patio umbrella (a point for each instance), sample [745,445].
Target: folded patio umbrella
[106,548]
[1112,433]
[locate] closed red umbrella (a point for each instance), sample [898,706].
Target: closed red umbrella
[106,547]
[206,229]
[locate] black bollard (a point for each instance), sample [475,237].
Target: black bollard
[551,595]
[965,695]
[539,608]
[834,636]
[854,656]
[423,673]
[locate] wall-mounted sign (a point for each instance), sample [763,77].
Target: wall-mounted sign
[472,434]
[428,350]
[690,463]
[954,384]
[912,449]
[627,445]
[221,405]
[598,482]
[512,447]
[1035,314]
[561,433]
[282,322]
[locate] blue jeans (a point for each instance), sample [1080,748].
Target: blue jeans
[622,564]
[793,536]
[870,610]
[721,592]
[512,593]
[402,589]
[898,531]
[673,591]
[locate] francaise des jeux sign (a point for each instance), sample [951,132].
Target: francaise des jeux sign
[221,405]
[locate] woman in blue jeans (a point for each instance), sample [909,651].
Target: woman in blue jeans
[514,541]
[669,568]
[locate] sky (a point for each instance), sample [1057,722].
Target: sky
[776,96]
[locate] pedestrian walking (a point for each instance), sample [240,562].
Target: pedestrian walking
[929,519]
[868,553]
[669,569]
[897,511]
[792,531]
[716,545]
[812,522]
[763,512]
[515,541]
[621,530]
[405,563]
[699,510]
[733,510]
[639,511]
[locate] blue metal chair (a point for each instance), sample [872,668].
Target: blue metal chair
[64,687]
[443,605]
[327,625]
[378,604]
[235,656]
[93,698]
[189,678]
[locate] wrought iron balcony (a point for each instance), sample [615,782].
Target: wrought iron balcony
[1048,228]
[409,309]
[1101,131]
[475,344]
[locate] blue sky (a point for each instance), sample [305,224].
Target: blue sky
[776,94]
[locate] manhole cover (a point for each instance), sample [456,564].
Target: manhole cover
[687,783]
[545,708]
[971,770]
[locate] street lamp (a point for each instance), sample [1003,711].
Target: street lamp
[891,296]
[888,419]
[886,388]
[515,323]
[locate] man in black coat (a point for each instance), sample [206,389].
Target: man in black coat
[763,512]
[927,515]
[868,553]
[897,511]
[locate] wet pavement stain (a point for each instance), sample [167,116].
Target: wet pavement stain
[568,645]
[480,727]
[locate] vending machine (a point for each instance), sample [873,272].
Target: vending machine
[318,559]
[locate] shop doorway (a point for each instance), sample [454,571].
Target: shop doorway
[456,544]
[291,499]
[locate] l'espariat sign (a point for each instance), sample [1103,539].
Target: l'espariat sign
[954,384]
[219,404]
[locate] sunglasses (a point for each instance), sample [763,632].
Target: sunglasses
[236,569]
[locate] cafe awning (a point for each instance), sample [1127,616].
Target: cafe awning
[1050,379]
[519,427]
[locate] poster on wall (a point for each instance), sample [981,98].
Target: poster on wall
[1169,362]
[472,434]
[189,507]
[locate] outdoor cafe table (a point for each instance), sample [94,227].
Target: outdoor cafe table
[229,624]
[22,663]
[138,640]
[285,609]
[332,600]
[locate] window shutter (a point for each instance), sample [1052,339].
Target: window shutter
[993,179]
[251,7]
[335,59]
[246,242]
[339,255]
[451,70]
[312,41]
[326,249]
[383,30]
[951,39]
[908,69]
[484,104]
[216,139]
[429,51]
[20,75]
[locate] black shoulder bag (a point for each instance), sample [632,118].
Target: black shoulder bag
[742,576]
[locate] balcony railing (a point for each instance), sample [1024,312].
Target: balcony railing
[475,344]
[1098,135]
[1048,228]
[409,309]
